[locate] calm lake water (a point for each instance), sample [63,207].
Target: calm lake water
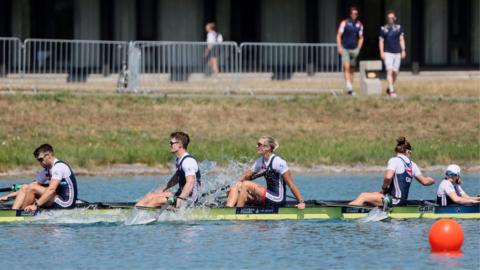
[331,244]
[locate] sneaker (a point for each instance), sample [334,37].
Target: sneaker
[351,93]
[391,93]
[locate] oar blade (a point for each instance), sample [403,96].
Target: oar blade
[144,215]
[374,215]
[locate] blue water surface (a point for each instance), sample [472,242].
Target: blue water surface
[328,244]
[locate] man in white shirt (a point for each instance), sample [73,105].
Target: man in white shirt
[187,177]
[54,187]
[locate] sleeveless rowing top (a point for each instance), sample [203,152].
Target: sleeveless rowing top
[446,187]
[67,190]
[400,185]
[182,180]
[276,191]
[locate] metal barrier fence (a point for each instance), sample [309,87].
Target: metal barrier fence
[152,65]
[178,60]
[285,59]
[77,58]
[10,56]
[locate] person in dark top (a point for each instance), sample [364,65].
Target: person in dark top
[187,176]
[392,49]
[349,44]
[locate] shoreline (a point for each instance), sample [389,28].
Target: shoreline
[139,169]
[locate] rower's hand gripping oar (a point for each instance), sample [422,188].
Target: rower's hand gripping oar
[12,188]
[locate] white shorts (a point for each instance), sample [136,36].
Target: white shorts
[392,61]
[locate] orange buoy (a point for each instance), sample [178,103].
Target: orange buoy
[446,235]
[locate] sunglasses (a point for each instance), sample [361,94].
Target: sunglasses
[40,159]
[259,144]
[172,143]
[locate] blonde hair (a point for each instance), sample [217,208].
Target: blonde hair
[272,142]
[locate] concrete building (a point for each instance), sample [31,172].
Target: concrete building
[439,33]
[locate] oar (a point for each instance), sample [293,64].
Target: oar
[11,188]
[145,215]
[377,213]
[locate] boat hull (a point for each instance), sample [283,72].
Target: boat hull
[261,213]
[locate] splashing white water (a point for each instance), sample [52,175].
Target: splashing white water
[81,216]
[215,182]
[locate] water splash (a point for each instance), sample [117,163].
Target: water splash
[80,216]
[216,181]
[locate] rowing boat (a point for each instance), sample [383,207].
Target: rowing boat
[314,210]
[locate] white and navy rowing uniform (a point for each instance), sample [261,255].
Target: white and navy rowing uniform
[446,187]
[67,192]
[188,166]
[274,168]
[404,171]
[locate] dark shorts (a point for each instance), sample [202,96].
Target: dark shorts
[58,206]
[268,202]
[57,203]
[399,202]
[214,52]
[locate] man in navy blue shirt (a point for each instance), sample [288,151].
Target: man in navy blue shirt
[392,49]
[349,43]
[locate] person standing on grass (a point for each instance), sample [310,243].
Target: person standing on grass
[212,52]
[187,177]
[349,44]
[392,50]
[54,187]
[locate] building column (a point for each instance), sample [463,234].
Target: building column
[327,21]
[435,29]
[21,19]
[475,32]
[403,10]
[86,19]
[181,20]
[125,22]
[224,18]
[283,21]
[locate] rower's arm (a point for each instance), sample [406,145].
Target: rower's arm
[247,176]
[287,177]
[466,196]
[387,179]
[49,193]
[425,180]
[187,189]
[172,182]
[461,199]
[360,42]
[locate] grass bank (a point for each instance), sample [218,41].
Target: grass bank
[92,130]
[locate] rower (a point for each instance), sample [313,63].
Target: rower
[187,177]
[450,192]
[397,179]
[276,173]
[54,187]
